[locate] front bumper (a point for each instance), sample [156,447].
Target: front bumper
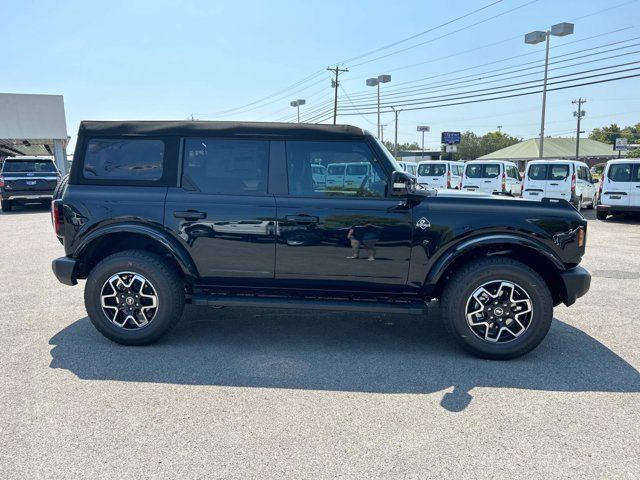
[575,283]
[64,268]
[618,208]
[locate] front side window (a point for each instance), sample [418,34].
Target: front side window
[225,166]
[352,170]
[23,166]
[124,159]
[620,172]
[432,169]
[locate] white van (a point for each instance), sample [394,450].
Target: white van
[565,179]
[409,167]
[440,174]
[619,188]
[335,175]
[359,174]
[492,177]
[319,174]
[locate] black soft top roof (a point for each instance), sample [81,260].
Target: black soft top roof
[160,128]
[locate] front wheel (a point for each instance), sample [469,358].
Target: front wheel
[497,308]
[601,214]
[134,297]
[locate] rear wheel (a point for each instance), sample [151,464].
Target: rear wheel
[601,214]
[134,297]
[6,205]
[497,308]
[59,190]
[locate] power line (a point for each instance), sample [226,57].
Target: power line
[518,94]
[447,34]
[398,101]
[424,32]
[495,90]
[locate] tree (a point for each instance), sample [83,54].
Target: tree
[402,146]
[608,134]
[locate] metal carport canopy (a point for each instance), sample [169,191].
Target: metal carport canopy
[33,125]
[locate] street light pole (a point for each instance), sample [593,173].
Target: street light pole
[544,93]
[558,30]
[297,103]
[375,82]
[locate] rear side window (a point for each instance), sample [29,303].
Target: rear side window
[20,166]
[124,159]
[225,166]
[432,169]
[636,176]
[620,172]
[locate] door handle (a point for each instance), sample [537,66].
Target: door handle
[190,215]
[554,184]
[302,219]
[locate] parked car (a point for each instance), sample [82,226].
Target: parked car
[27,179]
[492,177]
[562,179]
[409,167]
[619,188]
[440,174]
[497,265]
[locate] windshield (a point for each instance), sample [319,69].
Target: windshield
[394,162]
[432,169]
[23,166]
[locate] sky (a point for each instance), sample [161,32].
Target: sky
[161,60]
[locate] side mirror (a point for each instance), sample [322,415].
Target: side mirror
[403,184]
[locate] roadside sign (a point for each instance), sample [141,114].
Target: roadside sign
[451,138]
[451,148]
[621,144]
[423,128]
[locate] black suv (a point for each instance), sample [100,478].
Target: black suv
[157,214]
[27,179]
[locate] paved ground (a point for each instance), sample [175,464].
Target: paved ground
[249,393]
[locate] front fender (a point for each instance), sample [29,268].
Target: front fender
[177,251]
[445,260]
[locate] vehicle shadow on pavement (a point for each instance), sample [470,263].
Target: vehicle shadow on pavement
[27,209]
[312,350]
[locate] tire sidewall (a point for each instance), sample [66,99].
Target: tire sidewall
[540,298]
[169,306]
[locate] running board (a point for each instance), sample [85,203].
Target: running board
[413,308]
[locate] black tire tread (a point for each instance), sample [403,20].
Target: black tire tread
[452,288]
[175,301]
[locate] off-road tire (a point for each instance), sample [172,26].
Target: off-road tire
[465,281]
[166,281]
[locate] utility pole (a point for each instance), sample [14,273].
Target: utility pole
[578,114]
[395,141]
[335,84]
[382,133]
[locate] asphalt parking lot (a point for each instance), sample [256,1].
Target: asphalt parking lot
[250,393]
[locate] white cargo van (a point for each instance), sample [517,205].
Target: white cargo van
[492,177]
[619,188]
[335,175]
[409,167]
[565,179]
[440,174]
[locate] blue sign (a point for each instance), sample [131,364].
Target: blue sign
[451,138]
